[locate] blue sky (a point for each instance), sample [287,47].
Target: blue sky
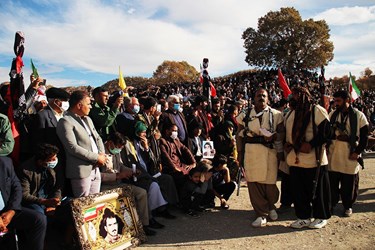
[84,42]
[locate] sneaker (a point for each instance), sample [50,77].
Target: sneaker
[273,215]
[348,212]
[318,223]
[224,205]
[259,222]
[300,223]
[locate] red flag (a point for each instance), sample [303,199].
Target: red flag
[283,85]
[213,90]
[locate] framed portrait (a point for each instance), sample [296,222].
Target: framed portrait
[208,149]
[108,220]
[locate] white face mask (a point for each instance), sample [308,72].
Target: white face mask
[174,135]
[64,105]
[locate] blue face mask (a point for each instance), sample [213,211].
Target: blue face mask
[136,109]
[52,164]
[176,106]
[115,151]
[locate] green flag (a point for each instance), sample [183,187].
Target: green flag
[353,89]
[35,71]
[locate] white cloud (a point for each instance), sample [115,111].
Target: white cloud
[93,37]
[348,15]
[340,69]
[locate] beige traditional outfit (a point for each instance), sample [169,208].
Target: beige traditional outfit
[260,161]
[343,172]
[305,160]
[303,168]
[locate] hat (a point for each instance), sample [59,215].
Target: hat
[57,93]
[139,127]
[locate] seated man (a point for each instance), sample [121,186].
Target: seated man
[13,216]
[115,172]
[176,158]
[41,192]
[148,162]
[38,180]
[157,202]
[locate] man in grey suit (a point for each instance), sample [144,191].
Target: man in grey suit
[83,146]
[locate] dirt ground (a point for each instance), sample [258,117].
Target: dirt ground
[231,229]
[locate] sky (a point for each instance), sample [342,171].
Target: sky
[84,42]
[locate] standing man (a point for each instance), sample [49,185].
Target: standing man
[45,127]
[83,146]
[350,128]
[6,136]
[261,131]
[102,115]
[307,129]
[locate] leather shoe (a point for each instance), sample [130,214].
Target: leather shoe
[154,224]
[166,214]
[148,231]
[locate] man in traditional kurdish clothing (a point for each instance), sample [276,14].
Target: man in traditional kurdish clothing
[261,132]
[307,129]
[350,128]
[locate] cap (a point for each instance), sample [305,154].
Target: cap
[57,93]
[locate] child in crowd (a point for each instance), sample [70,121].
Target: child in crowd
[197,194]
[222,185]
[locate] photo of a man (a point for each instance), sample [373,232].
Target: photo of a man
[111,226]
[208,149]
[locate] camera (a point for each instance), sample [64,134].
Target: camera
[113,97]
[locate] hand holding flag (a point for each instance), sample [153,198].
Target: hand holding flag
[33,68]
[121,82]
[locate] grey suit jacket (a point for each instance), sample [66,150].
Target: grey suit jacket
[80,159]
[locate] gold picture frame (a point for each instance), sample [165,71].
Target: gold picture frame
[108,220]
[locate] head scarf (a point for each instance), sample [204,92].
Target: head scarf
[302,116]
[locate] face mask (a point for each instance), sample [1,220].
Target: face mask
[52,164]
[176,107]
[136,109]
[174,135]
[115,151]
[64,106]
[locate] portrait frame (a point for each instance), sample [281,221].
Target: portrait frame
[208,153]
[89,218]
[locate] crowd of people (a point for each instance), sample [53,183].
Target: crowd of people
[176,147]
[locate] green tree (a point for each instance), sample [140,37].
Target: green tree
[172,71]
[283,39]
[367,72]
